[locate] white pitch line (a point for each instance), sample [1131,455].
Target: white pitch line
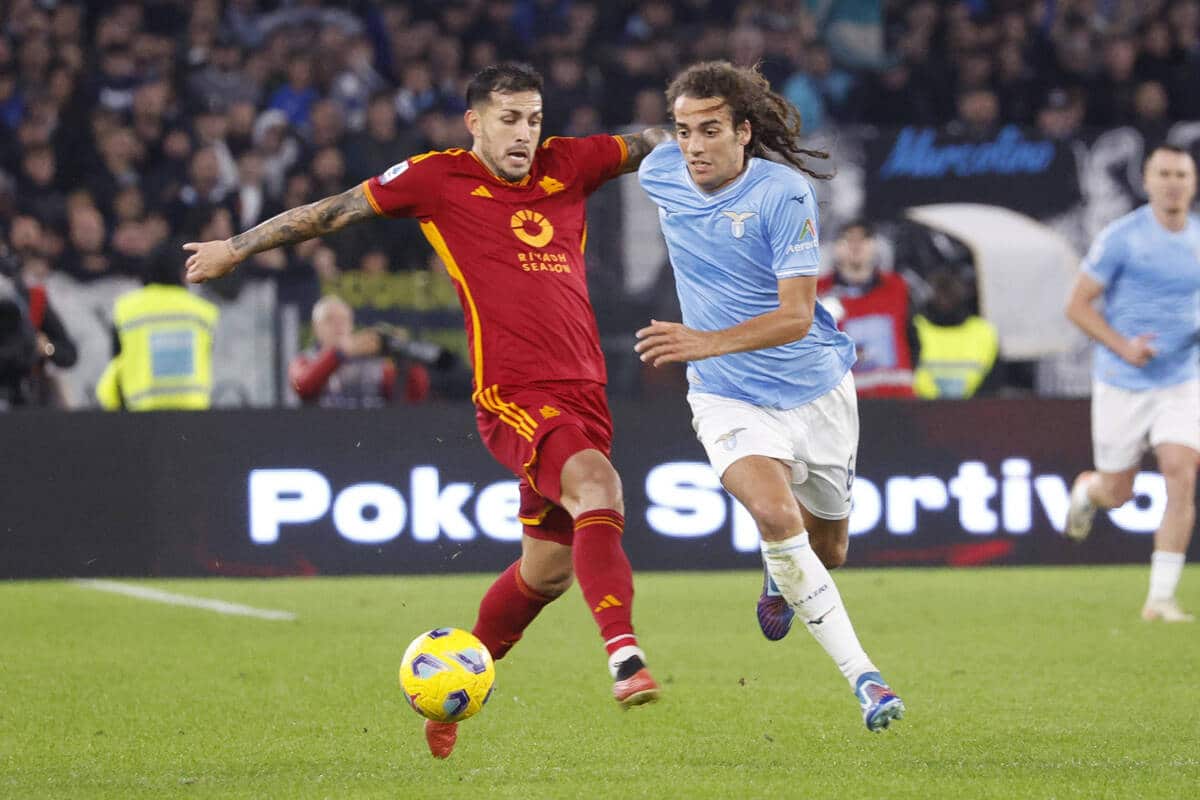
[170,598]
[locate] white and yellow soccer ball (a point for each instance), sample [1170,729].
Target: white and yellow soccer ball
[447,675]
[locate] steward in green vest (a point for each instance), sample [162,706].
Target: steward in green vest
[164,337]
[958,349]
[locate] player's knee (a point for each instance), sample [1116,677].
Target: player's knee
[776,520]
[590,485]
[548,571]
[1117,491]
[832,552]
[552,583]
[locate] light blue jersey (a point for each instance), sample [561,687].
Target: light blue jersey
[729,251]
[1151,280]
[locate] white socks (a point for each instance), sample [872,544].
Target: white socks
[807,585]
[621,654]
[1165,569]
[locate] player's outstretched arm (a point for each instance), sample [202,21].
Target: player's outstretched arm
[639,146]
[216,258]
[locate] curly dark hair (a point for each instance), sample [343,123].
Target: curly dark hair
[507,76]
[774,122]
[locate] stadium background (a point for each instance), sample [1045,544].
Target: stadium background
[993,137]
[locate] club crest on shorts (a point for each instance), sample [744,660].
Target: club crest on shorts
[738,219]
[729,440]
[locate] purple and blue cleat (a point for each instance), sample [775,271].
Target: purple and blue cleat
[880,705]
[775,615]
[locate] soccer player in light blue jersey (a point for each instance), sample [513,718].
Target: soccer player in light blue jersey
[1145,381]
[769,379]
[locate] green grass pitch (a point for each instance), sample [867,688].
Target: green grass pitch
[1038,683]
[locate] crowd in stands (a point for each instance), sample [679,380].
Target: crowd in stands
[127,128]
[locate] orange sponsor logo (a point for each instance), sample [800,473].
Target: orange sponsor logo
[532,228]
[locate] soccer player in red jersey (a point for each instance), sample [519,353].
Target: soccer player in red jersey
[507,219]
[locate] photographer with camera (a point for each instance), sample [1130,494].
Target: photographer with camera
[31,336]
[360,369]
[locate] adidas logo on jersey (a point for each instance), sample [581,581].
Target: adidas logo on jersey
[481,191]
[550,185]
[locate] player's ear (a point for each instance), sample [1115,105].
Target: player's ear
[471,118]
[744,133]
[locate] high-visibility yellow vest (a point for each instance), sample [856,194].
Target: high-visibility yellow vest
[165,362]
[954,359]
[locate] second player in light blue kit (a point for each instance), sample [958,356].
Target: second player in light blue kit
[772,397]
[1146,382]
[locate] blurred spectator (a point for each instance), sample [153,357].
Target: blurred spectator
[417,92]
[357,369]
[204,185]
[819,89]
[115,83]
[1110,93]
[1154,60]
[1017,86]
[1150,106]
[279,150]
[32,336]
[120,154]
[1062,114]
[567,87]
[958,349]
[326,125]
[223,81]
[249,199]
[87,256]
[295,98]
[162,349]
[39,190]
[357,82]
[12,104]
[873,307]
[978,115]
[376,148]
[210,126]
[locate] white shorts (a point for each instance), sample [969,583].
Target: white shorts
[1125,423]
[818,439]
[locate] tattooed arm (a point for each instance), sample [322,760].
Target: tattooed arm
[216,258]
[639,146]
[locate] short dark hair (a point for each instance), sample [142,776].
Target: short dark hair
[1166,148]
[861,224]
[507,76]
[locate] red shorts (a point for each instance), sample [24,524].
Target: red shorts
[514,422]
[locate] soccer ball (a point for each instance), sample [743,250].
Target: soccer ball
[447,675]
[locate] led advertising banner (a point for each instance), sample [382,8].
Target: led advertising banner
[261,493]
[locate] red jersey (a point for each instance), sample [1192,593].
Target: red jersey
[515,252]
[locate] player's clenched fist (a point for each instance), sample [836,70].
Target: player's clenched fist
[210,260]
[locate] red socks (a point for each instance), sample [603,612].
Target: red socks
[506,611]
[605,576]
